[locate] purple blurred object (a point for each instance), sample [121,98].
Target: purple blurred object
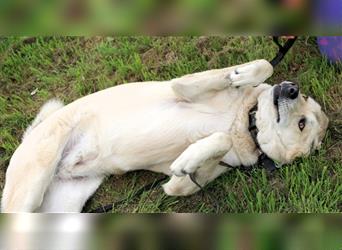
[331,47]
[328,15]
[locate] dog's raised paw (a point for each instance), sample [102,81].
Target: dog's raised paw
[243,75]
[251,74]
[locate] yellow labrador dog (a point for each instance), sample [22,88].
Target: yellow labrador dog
[177,127]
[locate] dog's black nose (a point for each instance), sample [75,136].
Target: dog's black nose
[289,90]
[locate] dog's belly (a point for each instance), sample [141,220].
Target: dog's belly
[142,126]
[155,136]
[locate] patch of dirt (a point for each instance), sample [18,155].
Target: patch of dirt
[152,58]
[215,56]
[203,45]
[113,187]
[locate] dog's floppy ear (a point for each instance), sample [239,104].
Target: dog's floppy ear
[324,122]
[321,117]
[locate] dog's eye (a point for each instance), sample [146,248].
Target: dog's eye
[301,124]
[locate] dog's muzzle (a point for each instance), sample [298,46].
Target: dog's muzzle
[284,90]
[288,90]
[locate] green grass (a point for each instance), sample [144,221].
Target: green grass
[71,67]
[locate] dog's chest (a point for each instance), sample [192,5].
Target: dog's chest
[218,115]
[243,151]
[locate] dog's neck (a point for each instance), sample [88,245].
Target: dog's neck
[263,159]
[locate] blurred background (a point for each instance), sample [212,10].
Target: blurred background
[75,17]
[174,231]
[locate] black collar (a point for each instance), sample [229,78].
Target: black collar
[252,128]
[263,159]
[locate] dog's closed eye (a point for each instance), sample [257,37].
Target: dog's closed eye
[301,123]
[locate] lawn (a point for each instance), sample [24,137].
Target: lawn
[33,70]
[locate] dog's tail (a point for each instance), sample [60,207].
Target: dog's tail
[34,163]
[46,110]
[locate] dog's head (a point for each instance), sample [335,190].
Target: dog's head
[290,124]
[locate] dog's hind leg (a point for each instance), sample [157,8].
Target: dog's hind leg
[34,163]
[69,195]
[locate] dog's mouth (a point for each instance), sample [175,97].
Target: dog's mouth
[276,95]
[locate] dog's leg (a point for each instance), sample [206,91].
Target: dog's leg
[201,157]
[69,195]
[209,149]
[252,73]
[199,85]
[183,185]
[33,164]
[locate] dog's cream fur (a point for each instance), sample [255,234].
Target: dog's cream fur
[175,127]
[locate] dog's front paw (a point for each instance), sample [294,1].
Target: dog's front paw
[243,76]
[188,162]
[251,74]
[180,186]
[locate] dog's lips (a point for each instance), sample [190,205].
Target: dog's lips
[276,95]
